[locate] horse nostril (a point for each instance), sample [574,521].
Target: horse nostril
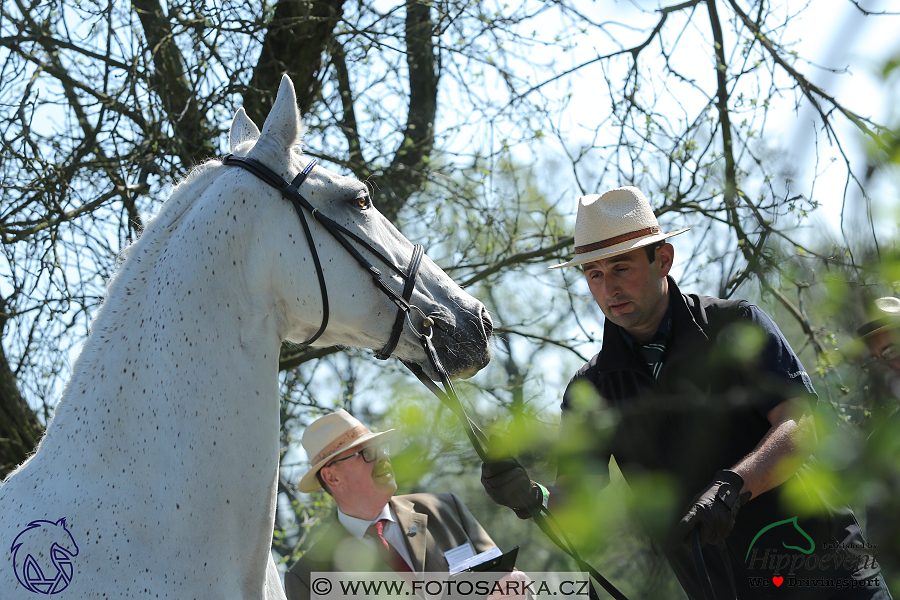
[486,322]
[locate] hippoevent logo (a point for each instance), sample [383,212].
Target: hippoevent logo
[792,521]
[782,566]
[42,556]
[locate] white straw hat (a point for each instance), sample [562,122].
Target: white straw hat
[616,222]
[327,437]
[885,314]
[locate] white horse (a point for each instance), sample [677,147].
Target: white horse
[162,458]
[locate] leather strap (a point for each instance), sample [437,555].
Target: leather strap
[408,287]
[617,239]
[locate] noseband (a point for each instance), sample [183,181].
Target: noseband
[291,191]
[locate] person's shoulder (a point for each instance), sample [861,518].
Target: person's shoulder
[319,557]
[715,311]
[314,559]
[590,367]
[321,551]
[441,505]
[727,311]
[714,303]
[426,500]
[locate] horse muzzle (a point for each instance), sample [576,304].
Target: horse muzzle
[462,344]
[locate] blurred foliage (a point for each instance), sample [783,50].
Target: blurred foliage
[858,420]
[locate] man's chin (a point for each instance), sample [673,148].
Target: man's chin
[386,482]
[622,321]
[387,489]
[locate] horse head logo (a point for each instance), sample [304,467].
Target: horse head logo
[793,521]
[42,556]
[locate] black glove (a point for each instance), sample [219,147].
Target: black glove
[507,483]
[713,510]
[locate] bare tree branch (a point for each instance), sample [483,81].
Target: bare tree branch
[813,93]
[295,41]
[191,132]
[408,168]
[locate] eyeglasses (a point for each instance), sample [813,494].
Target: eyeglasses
[369,454]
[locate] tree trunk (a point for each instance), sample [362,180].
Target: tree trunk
[19,428]
[294,43]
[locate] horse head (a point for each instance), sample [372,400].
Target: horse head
[166,439]
[361,315]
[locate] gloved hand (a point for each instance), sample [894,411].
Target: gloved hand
[508,484]
[713,510]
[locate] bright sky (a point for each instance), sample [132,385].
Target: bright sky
[829,34]
[863,45]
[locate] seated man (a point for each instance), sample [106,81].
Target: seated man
[882,338]
[352,464]
[881,335]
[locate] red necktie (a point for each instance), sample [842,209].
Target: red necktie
[390,554]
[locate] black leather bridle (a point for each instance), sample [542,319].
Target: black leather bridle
[291,191]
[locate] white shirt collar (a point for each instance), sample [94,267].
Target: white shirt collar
[358,527]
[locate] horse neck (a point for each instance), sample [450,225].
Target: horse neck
[184,344]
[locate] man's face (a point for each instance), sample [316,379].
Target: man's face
[632,292]
[369,482]
[885,346]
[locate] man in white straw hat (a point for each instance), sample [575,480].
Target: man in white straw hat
[704,391]
[375,530]
[882,333]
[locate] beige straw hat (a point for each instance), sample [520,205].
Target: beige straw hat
[327,437]
[613,223]
[885,314]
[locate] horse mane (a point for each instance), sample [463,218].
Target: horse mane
[131,265]
[160,226]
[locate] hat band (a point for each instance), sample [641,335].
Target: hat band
[350,435]
[617,240]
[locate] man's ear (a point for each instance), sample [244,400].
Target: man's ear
[330,477]
[665,256]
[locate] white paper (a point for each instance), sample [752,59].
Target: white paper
[458,555]
[473,560]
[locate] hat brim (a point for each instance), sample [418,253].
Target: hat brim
[310,483]
[622,248]
[862,333]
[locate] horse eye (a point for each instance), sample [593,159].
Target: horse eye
[362,201]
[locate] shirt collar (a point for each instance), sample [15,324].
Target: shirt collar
[358,527]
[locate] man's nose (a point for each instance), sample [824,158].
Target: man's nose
[611,289]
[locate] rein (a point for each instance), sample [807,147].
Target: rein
[291,191]
[541,516]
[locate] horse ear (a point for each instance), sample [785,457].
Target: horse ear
[242,129]
[283,126]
